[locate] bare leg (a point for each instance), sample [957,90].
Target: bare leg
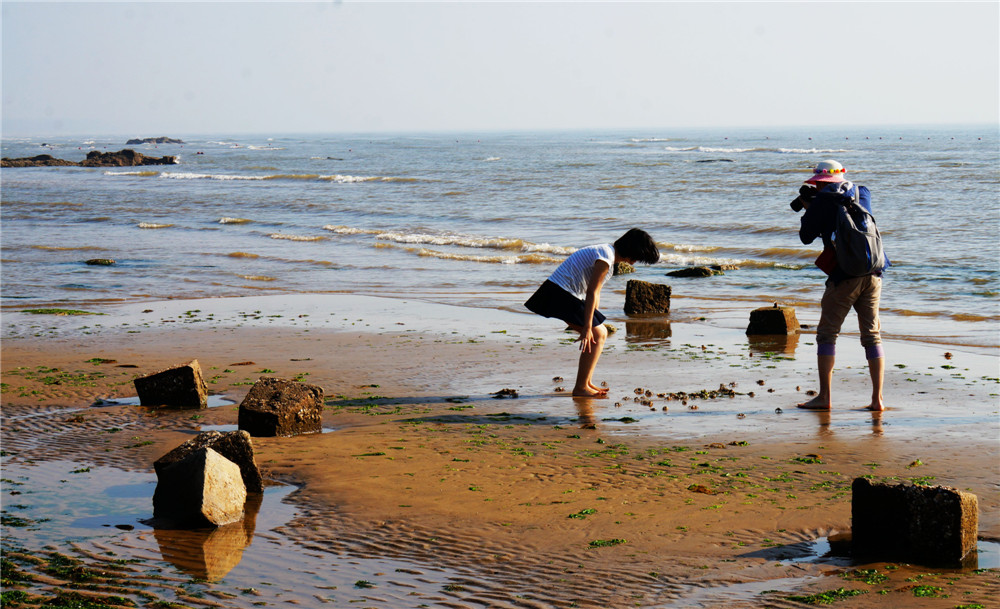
[588,363]
[822,400]
[876,367]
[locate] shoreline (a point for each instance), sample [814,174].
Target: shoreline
[423,472]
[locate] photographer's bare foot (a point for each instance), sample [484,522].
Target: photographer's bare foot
[817,403]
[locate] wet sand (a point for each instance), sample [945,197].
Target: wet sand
[426,491]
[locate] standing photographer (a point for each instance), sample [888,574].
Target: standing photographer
[821,196]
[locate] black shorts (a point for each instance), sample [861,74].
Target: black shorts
[550,300]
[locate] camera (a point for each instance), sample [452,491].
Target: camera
[806,194]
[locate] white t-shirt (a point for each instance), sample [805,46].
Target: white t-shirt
[574,273]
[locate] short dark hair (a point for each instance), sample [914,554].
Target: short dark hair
[637,245]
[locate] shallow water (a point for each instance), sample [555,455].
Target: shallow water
[481,220]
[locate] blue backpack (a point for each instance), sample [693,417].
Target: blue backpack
[856,240]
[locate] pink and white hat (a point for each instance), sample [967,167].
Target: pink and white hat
[827,171]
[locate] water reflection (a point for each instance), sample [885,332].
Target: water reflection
[210,553]
[585,412]
[655,330]
[773,343]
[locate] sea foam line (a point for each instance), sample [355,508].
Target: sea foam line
[501,243]
[515,259]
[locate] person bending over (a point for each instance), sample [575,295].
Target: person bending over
[573,293]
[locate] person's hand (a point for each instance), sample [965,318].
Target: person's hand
[587,340]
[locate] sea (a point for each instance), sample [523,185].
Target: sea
[479,220]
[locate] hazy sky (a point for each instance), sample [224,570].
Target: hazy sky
[147,69]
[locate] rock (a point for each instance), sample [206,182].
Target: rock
[203,488]
[642,297]
[281,407]
[623,268]
[505,393]
[928,525]
[724,267]
[182,387]
[773,320]
[122,158]
[233,445]
[100,262]
[694,271]
[152,140]
[42,160]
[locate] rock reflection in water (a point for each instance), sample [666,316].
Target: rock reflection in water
[773,343]
[210,554]
[647,331]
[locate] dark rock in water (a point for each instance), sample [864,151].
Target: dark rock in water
[42,160]
[280,407]
[930,525]
[724,267]
[234,445]
[716,161]
[202,489]
[152,140]
[100,262]
[694,271]
[182,387]
[122,158]
[773,320]
[642,297]
[623,268]
[505,393]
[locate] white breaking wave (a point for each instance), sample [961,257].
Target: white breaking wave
[146,173]
[153,225]
[501,243]
[227,220]
[493,158]
[295,237]
[207,176]
[347,230]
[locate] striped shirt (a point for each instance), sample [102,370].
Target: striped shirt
[573,275]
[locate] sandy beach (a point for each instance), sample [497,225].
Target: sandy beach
[426,491]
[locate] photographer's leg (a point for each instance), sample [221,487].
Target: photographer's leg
[836,304]
[871,337]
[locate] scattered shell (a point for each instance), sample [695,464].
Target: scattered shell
[778,411]
[664,409]
[604,383]
[751,394]
[770,389]
[693,407]
[810,392]
[798,388]
[505,393]
[637,390]
[557,379]
[560,389]
[618,404]
[649,393]
[741,416]
[761,382]
[947,355]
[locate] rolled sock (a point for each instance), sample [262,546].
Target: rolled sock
[874,351]
[826,349]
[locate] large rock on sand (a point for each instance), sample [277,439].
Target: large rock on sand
[202,489]
[181,387]
[281,407]
[642,297]
[930,525]
[233,445]
[773,320]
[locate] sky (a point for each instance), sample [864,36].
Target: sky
[182,68]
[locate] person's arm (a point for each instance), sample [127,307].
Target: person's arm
[815,221]
[590,305]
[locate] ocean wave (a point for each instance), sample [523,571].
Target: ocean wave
[257,277]
[296,237]
[739,150]
[153,225]
[227,220]
[59,248]
[242,255]
[535,258]
[347,230]
[492,158]
[643,140]
[141,174]
[207,176]
[346,179]
[501,243]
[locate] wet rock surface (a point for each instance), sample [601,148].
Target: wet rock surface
[931,525]
[773,320]
[234,445]
[202,489]
[643,297]
[281,407]
[95,158]
[180,387]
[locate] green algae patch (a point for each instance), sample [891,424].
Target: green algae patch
[59,312]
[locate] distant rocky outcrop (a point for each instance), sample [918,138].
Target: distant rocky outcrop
[152,140]
[122,158]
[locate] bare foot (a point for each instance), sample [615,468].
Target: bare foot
[817,403]
[587,392]
[594,387]
[875,407]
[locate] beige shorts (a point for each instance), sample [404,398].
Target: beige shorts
[860,293]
